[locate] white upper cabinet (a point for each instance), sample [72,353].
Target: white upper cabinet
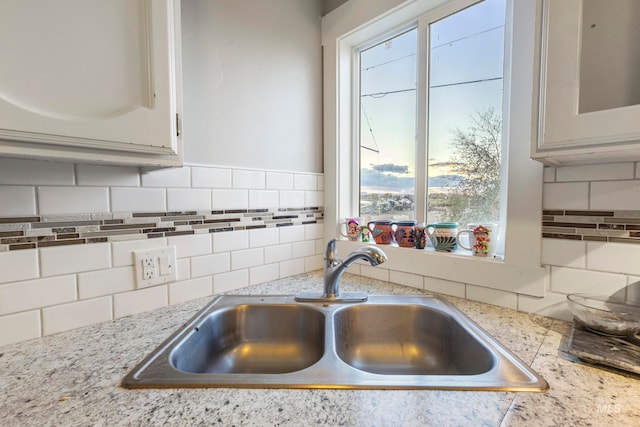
[589,85]
[96,81]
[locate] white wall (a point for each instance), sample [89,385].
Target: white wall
[252,83]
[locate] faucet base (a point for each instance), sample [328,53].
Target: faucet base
[341,298]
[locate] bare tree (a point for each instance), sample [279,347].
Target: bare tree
[476,158]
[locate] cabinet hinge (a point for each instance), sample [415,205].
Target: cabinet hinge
[177,124]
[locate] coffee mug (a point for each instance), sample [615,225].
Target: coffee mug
[382,231]
[443,236]
[353,228]
[406,234]
[421,236]
[482,238]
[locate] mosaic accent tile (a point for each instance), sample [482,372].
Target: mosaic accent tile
[595,226]
[31,232]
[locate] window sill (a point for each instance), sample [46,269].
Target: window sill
[460,267]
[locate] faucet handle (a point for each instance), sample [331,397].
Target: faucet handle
[331,252]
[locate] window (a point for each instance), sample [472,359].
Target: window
[463,64]
[368,24]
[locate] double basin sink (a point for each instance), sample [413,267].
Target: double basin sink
[387,342]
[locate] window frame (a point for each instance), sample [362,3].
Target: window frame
[357,23]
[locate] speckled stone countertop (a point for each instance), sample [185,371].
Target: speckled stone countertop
[72,379]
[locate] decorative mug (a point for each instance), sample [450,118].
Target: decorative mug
[382,231]
[444,237]
[406,234]
[482,238]
[353,227]
[421,236]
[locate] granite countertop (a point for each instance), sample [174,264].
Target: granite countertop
[73,379]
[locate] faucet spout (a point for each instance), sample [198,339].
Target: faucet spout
[333,268]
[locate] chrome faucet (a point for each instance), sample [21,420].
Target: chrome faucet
[334,268]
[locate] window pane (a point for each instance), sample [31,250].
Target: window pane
[465,114]
[388,128]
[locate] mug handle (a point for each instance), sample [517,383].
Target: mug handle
[340,224]
[460,241]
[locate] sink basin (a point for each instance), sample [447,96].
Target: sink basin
[253,339]
[408,340]
[386,342]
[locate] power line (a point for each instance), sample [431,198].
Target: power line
[467,37]
[388,62]
[391,92]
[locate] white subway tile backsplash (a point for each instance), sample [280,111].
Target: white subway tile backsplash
[18,265]
[279,181]
[570,280]
[264,273]
[305,182]
[313,263]
[602,172]
[210,264]
[293,233]
[19,327]
[190,290]
[123,251]
[71,200]
[406,279]
[210,177]
[619,195]
[229,199]
[138,199]
[567,253]
[106,282]
[139,301]
[74,315]
[320,183]
[225,282]
[59,260]
[277,253]
[313,231]
[180,199]
[549,174]
[113,176]
[291,267]
[305,248]
[492,296]
[167,178]
[374,272]
[445,287]
[260,199]
[613,257]
[247,258]
[191,245]
[35,172]
[32,294]
[230,241]
[574,195]
[292,199]
[552,305]
[250,179]
[184,269]
[17,201]
[313,198]
[264,237]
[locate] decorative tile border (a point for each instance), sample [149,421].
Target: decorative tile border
[597,226]
[33,232]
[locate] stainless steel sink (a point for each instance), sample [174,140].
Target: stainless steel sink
[253,339]
[387,342]
[408,339]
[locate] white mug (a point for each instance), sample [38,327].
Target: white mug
[482,238]
[353,227]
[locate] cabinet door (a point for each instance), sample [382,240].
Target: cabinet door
[91,80]
[579,72]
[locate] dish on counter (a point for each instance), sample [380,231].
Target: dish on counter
[605,314]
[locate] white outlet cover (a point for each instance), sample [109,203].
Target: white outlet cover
[160,257]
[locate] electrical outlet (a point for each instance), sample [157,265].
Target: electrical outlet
[155,266]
